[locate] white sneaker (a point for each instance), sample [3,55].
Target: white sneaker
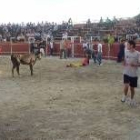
[133,103]
[123,98]
[128,100]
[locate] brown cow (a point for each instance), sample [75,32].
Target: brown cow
[25,59]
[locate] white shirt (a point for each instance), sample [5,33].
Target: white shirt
[91,46]
[131,58]
[125,44]
[51,45]
[65,36]
[100,47]
[85,45]
[31,40]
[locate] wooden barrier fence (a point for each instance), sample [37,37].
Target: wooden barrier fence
[8,48]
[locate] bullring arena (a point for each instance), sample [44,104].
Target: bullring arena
[60,103]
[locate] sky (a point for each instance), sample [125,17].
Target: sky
[17,11]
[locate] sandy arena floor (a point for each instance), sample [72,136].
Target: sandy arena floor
[60,103]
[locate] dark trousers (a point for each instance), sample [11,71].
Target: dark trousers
[51,51]
[120,57]
[94,56]
[99,57]
[61,53]
[69,52]
[32,48]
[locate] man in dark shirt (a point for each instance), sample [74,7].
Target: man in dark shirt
[121,51]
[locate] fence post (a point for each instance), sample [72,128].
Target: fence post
[11,45]
[80,39]
[72,49]
[0,50]
[91,38]
[29,46]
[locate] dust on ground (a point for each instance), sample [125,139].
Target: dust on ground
[60,103]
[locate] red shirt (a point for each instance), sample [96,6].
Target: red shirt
[85,62]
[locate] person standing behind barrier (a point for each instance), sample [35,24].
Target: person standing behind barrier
[121,52]
[63,48]
[51,48]
[93,51]
[130,77]
[66,43]
[42,46]
[85,47]
[69,47]
[31,41]
[126,46]
[99,53]
[110,41]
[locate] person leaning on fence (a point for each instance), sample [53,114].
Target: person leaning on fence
[130,74]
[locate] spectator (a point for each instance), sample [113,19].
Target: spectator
[93,51]
[63,49]
[51,48]
[131,64]
[99,53]
[121,51]
[69,49]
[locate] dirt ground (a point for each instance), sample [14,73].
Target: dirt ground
[60,103]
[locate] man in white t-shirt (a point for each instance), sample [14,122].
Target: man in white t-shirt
[131,64]
[99,53]
[51,48]
[65,35]
[126,45]
[85,45]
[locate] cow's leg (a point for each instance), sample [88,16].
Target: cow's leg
[13,70]
[17,68]
[31,69]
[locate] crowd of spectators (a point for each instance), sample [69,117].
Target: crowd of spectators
[21,32]
[121,28]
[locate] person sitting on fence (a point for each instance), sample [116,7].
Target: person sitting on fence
[84,62]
